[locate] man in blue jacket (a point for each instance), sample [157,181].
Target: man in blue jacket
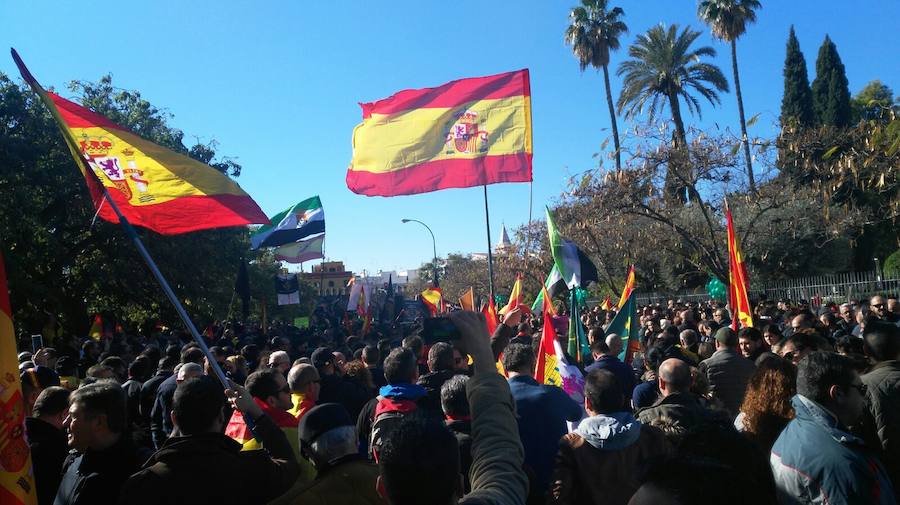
[816,459]
[542,414]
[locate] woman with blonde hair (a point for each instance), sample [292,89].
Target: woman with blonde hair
[767,403]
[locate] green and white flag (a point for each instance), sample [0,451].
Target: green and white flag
[575,268]
[290,225]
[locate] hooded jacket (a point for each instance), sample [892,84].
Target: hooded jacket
[815,460]
[432,383]
[601,462]
[211,468]
[96,476]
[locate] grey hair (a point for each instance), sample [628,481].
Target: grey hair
[336,443]
[187,368]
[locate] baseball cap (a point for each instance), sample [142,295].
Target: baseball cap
[322,357]
[321,419]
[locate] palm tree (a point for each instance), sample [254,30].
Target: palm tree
[663,69]
[594,32]
[728,20]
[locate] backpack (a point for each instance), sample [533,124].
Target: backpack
[389,413]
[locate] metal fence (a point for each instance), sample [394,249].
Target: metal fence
[821,288]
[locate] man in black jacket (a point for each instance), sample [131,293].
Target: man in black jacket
[103,457]
[202,465]
[47,440]
[440,369]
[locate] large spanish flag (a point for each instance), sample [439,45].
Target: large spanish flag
[464,133]
[738,282]
[153,187]
[16,478]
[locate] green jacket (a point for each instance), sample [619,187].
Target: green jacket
[883,400]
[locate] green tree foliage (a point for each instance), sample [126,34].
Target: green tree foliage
[728,20]
[874,102]
[830,90]
[796,103]
[664,68]
[594,32]
[61,261]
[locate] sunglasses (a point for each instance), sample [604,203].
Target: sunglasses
[286,389]
[878,305]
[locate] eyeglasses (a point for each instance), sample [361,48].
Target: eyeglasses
[286,389]
[878,305]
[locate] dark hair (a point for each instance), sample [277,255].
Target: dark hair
[750,333]
[166,363]
[192,355]
[371,355]
[51,402]
[262,384]
[415,344]
[453,396]
[599,347]
[139,369]
[518,358]
[400,366]
[820,370]
[419,461]
[92,371]
[440,357]
[603,390]
[103,397]
[197,403]
[524,328]
[881,340]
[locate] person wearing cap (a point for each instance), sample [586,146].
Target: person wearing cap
[334,388]
[200,464]
[328,439]
[728,371]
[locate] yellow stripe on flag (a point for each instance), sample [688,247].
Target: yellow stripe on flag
[16,477]
[389,142]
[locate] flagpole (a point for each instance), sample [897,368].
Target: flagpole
[528,227]
[487,222]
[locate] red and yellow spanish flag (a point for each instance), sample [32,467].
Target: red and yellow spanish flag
[16,478]
[515,296]
[433,298]
[546,370]
[153,187]
[629,287]
[737,279]
[468,132]
[490,315]
[607,303]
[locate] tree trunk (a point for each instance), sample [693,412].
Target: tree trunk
[612,118]
[674,187]
[740,100]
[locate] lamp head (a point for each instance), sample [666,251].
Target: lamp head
[404,220]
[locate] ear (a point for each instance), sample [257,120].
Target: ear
[379,488]
[587,403]
[173,418]
[834,392]
[271,402]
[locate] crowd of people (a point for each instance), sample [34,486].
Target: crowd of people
[804,407]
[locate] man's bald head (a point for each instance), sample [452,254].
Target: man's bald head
[674,376]
[614,342]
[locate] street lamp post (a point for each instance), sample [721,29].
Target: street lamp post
[433,244]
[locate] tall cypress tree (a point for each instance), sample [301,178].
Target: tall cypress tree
[830,90]
[796,104]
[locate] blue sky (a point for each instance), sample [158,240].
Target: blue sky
[276,84]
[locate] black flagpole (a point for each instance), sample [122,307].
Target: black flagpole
[487,222]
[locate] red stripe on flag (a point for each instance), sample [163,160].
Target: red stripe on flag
[77,116]
[187,213]
[453,94]
[442,174]
[4,291]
